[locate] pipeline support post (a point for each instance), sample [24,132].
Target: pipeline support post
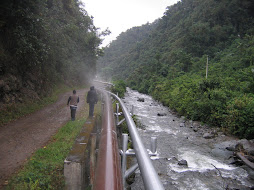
[124,157]
[153,145]
[149,175]
[117,113]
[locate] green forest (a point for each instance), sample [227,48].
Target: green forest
[43,44]
[168,59]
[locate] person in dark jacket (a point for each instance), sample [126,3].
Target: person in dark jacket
[91,99]
[73,102]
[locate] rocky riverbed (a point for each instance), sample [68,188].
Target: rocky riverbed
[190,155]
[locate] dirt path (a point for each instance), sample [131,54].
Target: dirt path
[19,139]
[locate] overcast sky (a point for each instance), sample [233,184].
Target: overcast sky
[120,15]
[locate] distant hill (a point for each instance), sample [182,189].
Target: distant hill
[117,59]
[167,59]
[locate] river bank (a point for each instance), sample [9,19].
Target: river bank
[190,155]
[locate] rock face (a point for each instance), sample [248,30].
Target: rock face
[10,85]
[16,88]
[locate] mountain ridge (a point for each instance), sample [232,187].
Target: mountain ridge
[170,62]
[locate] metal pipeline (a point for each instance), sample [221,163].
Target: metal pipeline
[149,175]
[108,174]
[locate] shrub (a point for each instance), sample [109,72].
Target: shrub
[239,116]
[119,87]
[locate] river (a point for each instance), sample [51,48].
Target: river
[207,162]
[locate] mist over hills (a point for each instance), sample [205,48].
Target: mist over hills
[44,44]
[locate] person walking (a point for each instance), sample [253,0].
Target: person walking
[91,99]
[73,102]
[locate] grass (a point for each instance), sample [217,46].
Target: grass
[12,112]
[44,170]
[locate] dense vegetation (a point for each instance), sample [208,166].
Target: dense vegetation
[44,43]
[167,59]
[119,88]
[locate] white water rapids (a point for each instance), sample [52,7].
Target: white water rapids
[208,167]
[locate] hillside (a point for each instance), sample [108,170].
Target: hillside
[169,62]
[43,44]
[118,57]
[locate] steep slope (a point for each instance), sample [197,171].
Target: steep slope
[44,43]
[170,62]
[187,29]
[118,56]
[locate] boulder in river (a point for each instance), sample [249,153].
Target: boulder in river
[196,124]
[183,119]
[182,125]
[161,114]
[208,135]
[195,130]
[223,153]
[183,163]
[246,146]
[231,160]
[230,148]
[141,99]
[224,149]
[228,145]
[235,161]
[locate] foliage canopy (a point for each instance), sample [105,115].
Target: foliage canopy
[167,59]
[43,43]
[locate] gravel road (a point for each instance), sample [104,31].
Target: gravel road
[20,138]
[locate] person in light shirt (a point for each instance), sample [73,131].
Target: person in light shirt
[73,102]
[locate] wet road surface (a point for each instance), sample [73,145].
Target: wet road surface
[20,138]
